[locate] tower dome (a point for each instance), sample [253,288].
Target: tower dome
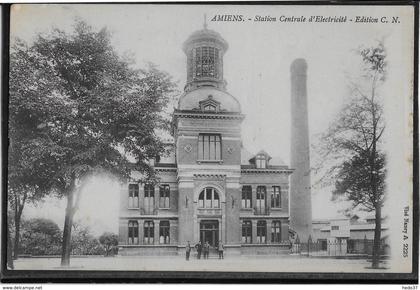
[205,49]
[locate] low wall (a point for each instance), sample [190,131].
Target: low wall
[152,250]
[251,250]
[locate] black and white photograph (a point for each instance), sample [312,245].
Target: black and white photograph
[210,138]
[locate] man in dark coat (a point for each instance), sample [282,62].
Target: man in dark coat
[206,249]
[199,247]
[187,251]
[220,248]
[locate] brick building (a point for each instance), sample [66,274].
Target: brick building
[210,187]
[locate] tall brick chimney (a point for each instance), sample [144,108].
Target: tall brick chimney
[300,182]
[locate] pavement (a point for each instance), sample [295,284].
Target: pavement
[178,263]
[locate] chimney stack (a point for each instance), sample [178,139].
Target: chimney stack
[300,180]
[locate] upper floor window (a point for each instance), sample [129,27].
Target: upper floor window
[335,228]
[261,161]
[209,147]
[261,198]
[149,198]
[206,59]
[164,193]
[208,198]
[133,232]
[246,196]
[133,195]
[276,197]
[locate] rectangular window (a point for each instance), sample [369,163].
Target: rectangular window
[149,198]
[246,232]
[246,196]
[261,197]
[133,232]
[261,162]
[164,232]
[276,197]
[261,232]
[334,228]
[133,196]
[276,232]
[209,147]
[149,232]
[164,193]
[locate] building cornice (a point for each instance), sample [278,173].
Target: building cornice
[266,171]
[201,115]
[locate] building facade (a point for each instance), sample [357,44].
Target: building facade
[210,188]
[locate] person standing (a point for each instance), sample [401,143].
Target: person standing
[198,247]
[206,250]
[187,251]
[220,248]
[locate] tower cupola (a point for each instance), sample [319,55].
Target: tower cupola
[205,49]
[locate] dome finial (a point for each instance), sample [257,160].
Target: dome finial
[205,21]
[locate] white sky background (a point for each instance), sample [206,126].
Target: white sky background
[256,67]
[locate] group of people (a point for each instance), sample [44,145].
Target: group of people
[205,249]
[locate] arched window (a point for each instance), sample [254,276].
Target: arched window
[208,198]
[276,232]
[133,232]
[261,232]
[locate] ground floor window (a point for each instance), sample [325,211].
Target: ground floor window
[149,232]
[276,232]
[164,232]
[133,232]
[261,232]
[246,232]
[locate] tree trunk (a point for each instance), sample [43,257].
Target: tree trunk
[377,238]
[9,256]
[17,236]
[68,222]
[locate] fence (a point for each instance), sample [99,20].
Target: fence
[337,247]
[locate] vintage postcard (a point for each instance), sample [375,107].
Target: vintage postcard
[199,138]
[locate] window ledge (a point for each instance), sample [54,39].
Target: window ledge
[246,208]
[133,207]
[164,208]
[210,161]
[276,208]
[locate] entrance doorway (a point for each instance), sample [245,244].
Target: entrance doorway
[209,232]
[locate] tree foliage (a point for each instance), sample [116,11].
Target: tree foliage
[83,242]
[89,110]
[109,241]
[40,237]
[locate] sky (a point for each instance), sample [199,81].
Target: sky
[256,68]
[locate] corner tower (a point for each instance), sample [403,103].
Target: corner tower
[300,180]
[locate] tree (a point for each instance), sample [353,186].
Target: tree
[352,144]
[109,241]
[30,164]
[101,110]
[40,237]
